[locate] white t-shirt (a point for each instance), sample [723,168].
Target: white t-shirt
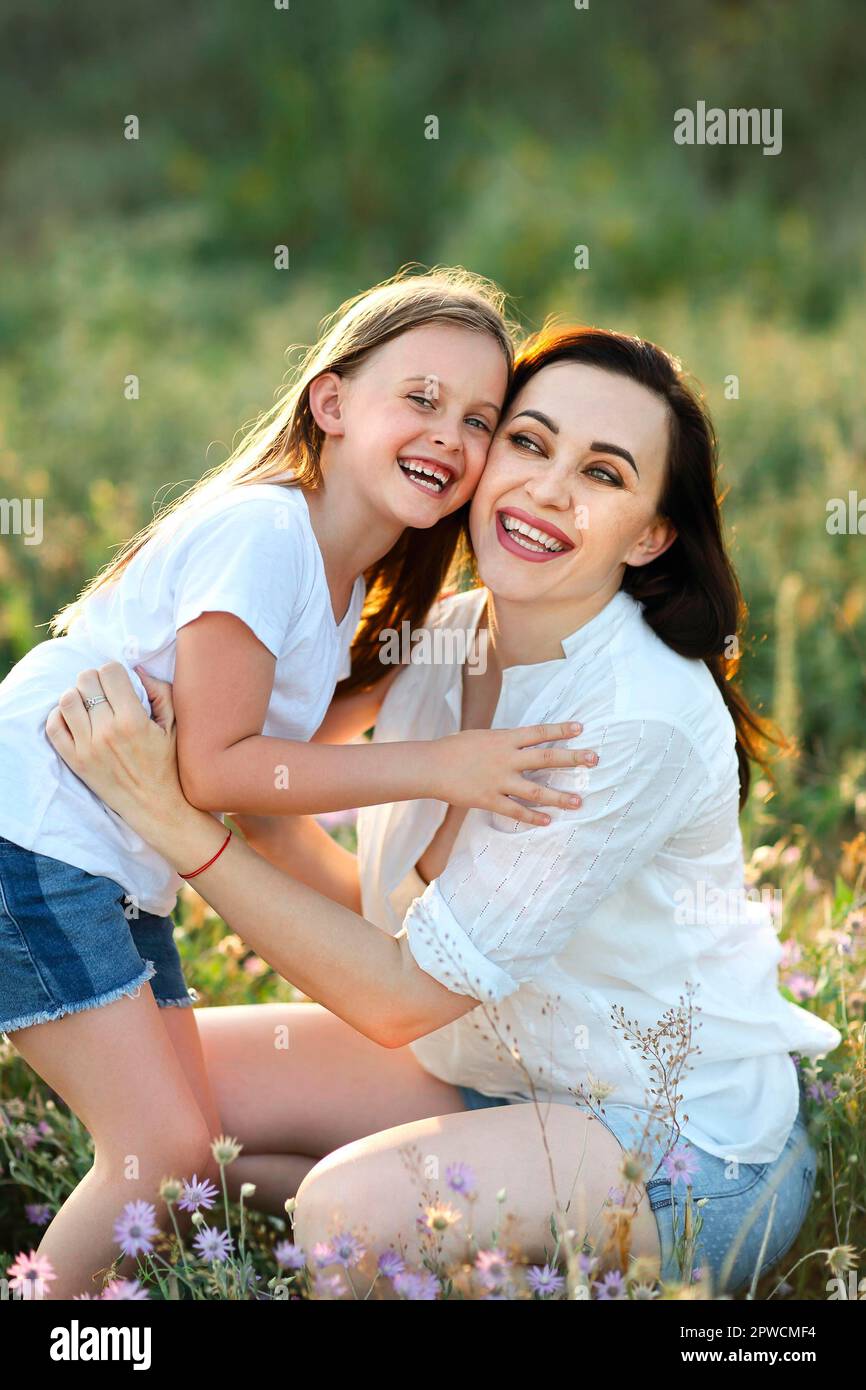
[617,905]
[250,551]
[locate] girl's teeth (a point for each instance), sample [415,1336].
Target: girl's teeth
[427,477]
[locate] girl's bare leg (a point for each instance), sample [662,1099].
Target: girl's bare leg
[117,1069]
[293,1081]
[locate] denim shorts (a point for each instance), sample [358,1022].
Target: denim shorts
[738,1195]
[71,941]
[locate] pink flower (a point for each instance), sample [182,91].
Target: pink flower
[681,1165]
[493,1268]
[29,1274]
[792,953]
[801,986]
[124,1288]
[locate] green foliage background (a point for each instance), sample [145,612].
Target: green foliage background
[305,127]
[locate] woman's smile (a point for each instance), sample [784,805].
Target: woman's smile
[530,537]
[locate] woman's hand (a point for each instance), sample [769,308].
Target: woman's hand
[486,768]
[126,758]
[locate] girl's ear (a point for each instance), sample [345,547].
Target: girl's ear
[654,542]
[326,404]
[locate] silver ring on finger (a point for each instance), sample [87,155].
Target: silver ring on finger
[95,700]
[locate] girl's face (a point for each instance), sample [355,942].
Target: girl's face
[571,488]
[417,418]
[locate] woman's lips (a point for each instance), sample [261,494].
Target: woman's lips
[508,541]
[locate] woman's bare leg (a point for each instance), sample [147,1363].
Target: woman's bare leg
[117,1069]
[293,1081]
[369,1186]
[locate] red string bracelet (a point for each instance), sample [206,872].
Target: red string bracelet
[196,872]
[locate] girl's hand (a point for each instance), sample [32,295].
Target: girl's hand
[485,768]
[126,758]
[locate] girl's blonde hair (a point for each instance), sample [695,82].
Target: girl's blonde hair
[406,581]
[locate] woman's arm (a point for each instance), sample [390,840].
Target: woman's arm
[366,977]
[301,847]
[223,682]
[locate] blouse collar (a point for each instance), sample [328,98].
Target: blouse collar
[588,639]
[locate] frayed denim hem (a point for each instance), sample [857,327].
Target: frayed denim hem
[133,989]
[185,1002]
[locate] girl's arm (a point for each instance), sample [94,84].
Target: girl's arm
[223,682]
[363,975]
[298,844]
[349,716]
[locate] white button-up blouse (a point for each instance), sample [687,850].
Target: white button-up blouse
[627,919]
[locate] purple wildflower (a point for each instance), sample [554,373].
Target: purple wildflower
[198,1193]
[37,1213]
[822,1091]
[461,1179]
[610,1289]
[28,1135]
[417,1288]
[346,1250]
[586,1262]
[330,1286]
[135,1230]
[212,1245]
[323,1254]
[543,1280]
[289,1256]
[390,1264]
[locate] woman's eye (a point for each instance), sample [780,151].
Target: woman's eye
[523,441]
[606,474]
[422,400]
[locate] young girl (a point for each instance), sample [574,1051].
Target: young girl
[247,594]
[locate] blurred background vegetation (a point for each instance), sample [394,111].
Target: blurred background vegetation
[305,127]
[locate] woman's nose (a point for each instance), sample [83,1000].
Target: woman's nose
[551,489]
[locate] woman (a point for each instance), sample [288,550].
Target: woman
[538,963]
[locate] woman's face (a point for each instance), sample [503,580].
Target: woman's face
[570,492]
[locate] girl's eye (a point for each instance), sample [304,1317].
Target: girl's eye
[422,400]
[477,420]
[523,441]
[607,474]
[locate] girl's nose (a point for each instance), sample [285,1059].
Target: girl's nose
[446,433]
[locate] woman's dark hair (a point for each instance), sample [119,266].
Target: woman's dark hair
[690,594]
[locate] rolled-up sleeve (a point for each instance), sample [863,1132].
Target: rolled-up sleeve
[510,898]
